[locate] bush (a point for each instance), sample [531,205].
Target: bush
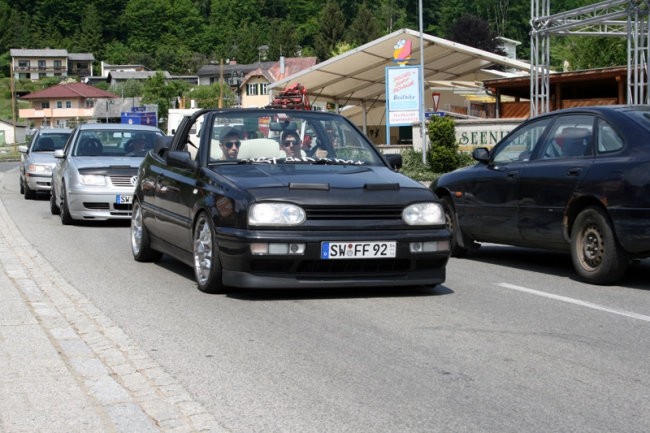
[442,156]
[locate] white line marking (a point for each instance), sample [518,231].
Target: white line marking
[576,302]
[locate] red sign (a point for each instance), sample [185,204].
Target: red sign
[436,100]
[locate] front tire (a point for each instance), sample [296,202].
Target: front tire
[597,256]
[140,243]
[452,225]
[30,194]
[207,266]
[54,208]
[66,218]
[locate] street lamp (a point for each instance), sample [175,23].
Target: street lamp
[262,52]
[108,102]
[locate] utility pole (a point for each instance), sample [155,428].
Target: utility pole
[13,101]
[221,84]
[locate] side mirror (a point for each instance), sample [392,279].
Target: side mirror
[481,154]
[181,159]
[162,143]
[59,153]
[394,161]
[22,148]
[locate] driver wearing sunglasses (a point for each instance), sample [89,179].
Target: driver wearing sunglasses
[291,144]
[230,143]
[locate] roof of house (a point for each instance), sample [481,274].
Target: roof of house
[277,71]
[81,56]
[228,69]
[134,75]
[47,52]
[71,90]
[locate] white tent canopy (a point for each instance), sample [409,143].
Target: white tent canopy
[357,77]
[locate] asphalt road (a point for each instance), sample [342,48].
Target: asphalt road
[510,343]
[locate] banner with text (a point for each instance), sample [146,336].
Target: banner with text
[402,95]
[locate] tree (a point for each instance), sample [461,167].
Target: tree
[364,27]
[158,91]
[474,32]
[89,36]
[331,30]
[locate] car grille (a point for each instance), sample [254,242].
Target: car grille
[330,213]
[121,181]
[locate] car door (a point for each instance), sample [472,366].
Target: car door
[548,182]
[490,208]
[176,191]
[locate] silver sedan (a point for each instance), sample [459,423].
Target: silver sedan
[95,174]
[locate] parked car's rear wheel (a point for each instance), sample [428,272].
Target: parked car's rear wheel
[597,256]
[54,207]
[207,267]
[66,218]
[22,186]
[140,246]
[452,226]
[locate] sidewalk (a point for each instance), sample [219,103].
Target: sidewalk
[65,367]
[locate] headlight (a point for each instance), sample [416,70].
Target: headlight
[39,169]
[420,214]
[277,214]
[92,179]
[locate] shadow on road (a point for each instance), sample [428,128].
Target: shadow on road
[551,263]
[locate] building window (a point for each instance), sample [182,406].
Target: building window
[89,103]
[252,89]
[68,104]
[57,65]
[42,75]
[265,88]
[45,104]
[23,64]
[41,65]
[59,104]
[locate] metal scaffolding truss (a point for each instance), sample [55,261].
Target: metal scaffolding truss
[620,18]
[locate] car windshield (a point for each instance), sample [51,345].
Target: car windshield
[50,142]
[114,142]
[291,136]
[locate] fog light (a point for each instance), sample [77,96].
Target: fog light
[259,249]
[278,248]
[428,247]
[297,248]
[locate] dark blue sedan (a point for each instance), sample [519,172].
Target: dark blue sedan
[575,180]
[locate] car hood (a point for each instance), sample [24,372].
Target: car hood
[107,161]
[269,181]
[42,158]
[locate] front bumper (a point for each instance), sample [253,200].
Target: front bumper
[88,205]
[37,182]
[309,270]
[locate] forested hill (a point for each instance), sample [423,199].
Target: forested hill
[181,35]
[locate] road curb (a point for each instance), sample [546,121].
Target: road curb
[74,369]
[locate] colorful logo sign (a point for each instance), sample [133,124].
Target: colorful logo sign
[402,52]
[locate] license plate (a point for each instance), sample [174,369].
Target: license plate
[357,250]
[123,199]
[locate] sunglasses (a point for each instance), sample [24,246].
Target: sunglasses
[230,144]
[288,143]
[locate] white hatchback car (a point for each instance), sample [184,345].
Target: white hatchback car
[95,174]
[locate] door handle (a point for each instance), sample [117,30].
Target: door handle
[574,171]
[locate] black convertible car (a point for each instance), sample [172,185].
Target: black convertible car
[573,180]
[270,198]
